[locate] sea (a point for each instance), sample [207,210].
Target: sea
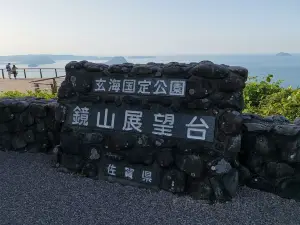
[285,68]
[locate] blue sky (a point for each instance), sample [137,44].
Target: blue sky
[149,27]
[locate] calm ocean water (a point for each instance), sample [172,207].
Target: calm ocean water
[283,68]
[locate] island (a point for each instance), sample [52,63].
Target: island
[141,57]
[37,59]
[105,58]
[283,54]
[33,65]
[40,59]
[72,57]
[116,60]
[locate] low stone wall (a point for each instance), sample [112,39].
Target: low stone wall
[186,135]
[270,155]
[28,124]
[172,126]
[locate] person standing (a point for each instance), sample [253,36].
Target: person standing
[14,71]
[8,69]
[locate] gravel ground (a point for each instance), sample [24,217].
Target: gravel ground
[31,192]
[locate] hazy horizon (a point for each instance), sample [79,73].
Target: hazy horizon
[162,55]
[149,27]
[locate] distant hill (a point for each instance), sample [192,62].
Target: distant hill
[72,57]
[129,57]
[37,60]
[43,58]
[116,60]
[40,59]
[33,65]
[283,54]
[105,57]
[141,57]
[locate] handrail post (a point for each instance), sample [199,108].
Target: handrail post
[36,87]
[55,72]
[54,86]
[52,89]
[25,74]
[41,73]
[2,73]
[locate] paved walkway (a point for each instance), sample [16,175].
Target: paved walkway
[23,85]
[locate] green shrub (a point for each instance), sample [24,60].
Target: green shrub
[39,94]
[266,98]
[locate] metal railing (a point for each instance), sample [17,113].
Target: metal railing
[28,73]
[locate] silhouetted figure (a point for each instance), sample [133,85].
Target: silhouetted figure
[8,69]
[14,71]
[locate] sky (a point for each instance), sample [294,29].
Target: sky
[149,27]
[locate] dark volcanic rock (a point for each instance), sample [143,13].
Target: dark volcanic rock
[170,126]
[28,120]
[271,153]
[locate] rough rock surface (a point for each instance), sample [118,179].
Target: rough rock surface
[270,155]
[28,124]
[265,156]
[91,99]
